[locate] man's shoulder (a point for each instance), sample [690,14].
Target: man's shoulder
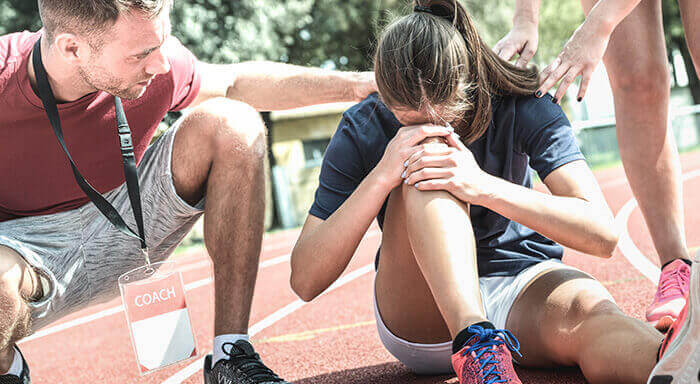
[14,48]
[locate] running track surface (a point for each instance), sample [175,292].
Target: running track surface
[334,338]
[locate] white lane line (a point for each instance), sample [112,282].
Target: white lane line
[196,366]
[627,247]
[114,310]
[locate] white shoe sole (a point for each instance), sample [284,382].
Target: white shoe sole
[681,362]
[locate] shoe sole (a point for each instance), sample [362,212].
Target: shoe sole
[681,363]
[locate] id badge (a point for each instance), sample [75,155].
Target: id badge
[157,315]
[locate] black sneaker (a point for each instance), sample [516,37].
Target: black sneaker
[242,367]
[23,377]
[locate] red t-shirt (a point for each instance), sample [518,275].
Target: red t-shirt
[36,177]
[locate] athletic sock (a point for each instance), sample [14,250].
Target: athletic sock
[687,261]
[464,335]
[16,366]
[219,342]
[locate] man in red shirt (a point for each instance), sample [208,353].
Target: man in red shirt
[57,252]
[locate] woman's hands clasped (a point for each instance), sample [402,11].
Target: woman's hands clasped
[451,168]
[407,142]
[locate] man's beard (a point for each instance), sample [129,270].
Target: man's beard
[102,81]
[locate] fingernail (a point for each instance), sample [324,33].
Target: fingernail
[403,175]
[579,99]
[554,100]
[405,163]
[405,181]
[538,93]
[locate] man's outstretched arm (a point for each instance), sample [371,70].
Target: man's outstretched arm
[269,86]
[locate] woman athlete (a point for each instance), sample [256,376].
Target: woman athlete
[469,274]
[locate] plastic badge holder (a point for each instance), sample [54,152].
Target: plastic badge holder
[157,316]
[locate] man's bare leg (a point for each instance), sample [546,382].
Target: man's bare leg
[17,283]
[219,154]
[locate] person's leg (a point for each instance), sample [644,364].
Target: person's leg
[219,152]
[18,282]
[565,317]
[427,262]
[638,70]
[636,64]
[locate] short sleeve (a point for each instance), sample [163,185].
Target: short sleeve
[546,135]
[185,74]
[342,171]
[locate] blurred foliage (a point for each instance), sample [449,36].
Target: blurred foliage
[331,33]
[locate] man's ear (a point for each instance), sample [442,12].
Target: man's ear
[70,48]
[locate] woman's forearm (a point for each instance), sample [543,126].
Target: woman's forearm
[322,254]
[570,221]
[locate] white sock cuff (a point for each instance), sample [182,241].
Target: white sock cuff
[16,366]
[219,342]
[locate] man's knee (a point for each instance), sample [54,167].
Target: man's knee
[235,129]
[15,287]
[15,274]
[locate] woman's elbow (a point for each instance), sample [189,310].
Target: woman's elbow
[607,242]
[300,282]
[301,288]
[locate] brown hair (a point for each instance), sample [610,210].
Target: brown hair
[91,17]
[435,57]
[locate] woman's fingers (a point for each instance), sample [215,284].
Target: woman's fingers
[418,133]
[427,174]
[585,79]
[526,54]
[442,161]
[566,81]
[454,141]
[428,150]
[435,185]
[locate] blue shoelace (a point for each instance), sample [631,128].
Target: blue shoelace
[484,354]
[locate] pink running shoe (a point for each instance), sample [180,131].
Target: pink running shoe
[486,359]
[679,356]
[671,295]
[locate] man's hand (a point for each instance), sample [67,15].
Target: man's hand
[521,40]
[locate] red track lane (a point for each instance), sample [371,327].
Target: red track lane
[333,339]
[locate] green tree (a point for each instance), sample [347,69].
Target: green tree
[18,15]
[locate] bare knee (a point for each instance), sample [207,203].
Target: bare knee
[16,284]
[234,129]
[642,83]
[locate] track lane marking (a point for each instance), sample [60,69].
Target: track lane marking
[114,310]
[627,247]
[308,335]
[197,366]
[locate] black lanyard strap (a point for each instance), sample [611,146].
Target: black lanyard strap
[127,150]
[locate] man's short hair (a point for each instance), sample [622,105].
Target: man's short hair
[92,17]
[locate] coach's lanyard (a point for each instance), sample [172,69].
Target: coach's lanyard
[127,149]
